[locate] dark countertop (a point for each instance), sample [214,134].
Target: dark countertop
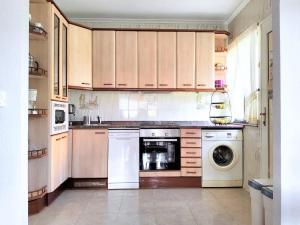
[154,124]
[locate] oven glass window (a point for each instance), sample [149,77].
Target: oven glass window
[223,156]
[160,155]
[59,116]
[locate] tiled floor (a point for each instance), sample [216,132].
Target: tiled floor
[148,207]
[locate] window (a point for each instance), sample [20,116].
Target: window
[243,76]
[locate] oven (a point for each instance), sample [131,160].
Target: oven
[59,117]
[159,149]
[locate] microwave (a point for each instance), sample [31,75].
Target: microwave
[59,117]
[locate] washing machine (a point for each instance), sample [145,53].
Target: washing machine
[222,158]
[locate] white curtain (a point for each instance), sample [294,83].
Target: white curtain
[243,75]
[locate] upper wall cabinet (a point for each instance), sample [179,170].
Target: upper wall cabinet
[166,51]
[104,59]
[126,59]
[186,59]
[59,80]
[205,60]
[80,56]
[147,59]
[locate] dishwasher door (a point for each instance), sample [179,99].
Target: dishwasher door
[123,159]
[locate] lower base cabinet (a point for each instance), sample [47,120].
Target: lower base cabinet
[90,153]
[59,160]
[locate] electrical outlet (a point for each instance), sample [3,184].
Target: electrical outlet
[2,99]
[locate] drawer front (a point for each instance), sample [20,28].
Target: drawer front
[191,172]
[191,142]
[191,162]
[194,133]
[190,152]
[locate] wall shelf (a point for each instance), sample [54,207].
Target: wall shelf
[37,194]
[37,112]
[37,33]
[37,73]
[37,154]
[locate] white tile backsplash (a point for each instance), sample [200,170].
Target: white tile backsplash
[141,106]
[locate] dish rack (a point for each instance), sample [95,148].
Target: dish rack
[220,108]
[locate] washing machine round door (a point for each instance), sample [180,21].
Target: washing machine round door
[223,157]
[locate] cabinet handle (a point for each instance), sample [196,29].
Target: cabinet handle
[149,85]
[192,153]
[107,84]
[63,137]
[201,85]
[58,97]
[187,85]
[99,132]
[190,162]
[190,133]
[163,85]
[86,83]
[188,172]
[122,84]
[191,143]
[57,139]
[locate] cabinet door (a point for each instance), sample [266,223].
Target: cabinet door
[104,59]
[89,153]
[80,56]
[64,60]
[185,60]
[147,59]
[205,60]
[55,56]
[59,160]
[126,59]
[166,47]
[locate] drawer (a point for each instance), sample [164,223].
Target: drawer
[191,172]
[191,162]
[191,142]
[190,152]
[194,133]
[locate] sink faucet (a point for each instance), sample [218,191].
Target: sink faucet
[99,119]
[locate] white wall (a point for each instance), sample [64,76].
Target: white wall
[286,17]
[143,106]
[13,117]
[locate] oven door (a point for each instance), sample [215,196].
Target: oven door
[159,153]
[59,117]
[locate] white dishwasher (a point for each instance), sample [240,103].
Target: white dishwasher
[123,159]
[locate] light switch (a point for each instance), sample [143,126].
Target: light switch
[2,99]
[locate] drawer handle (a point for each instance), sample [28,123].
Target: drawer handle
[192,153]
[149,85]
[107,84]
[86,83]
[191,143]
[122,84]
[187,85]
[99,132]
[163,85]
[189,172]
[201,85]
[190,133]
[191,162]
[57,139]
[63,137]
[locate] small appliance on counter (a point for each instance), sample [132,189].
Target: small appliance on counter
[159,149]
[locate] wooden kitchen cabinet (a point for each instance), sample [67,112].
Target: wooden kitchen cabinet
[166,51]
[90,153]
[186,59]
[104,59]
[59,68]
[205,60]
[147,59]
[126,59]
[79,57]
[59,160]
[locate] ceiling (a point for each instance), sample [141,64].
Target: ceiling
[199,10]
